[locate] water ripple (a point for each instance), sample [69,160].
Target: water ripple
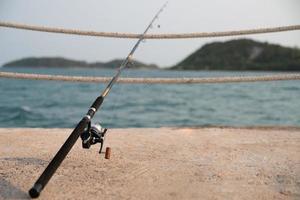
[28,103]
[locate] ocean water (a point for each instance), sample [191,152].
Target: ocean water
[31,103]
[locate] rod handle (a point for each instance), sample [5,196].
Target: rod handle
[42,181]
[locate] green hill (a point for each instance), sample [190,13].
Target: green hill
[68,63]
[242,54]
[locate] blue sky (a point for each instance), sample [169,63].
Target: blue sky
[133,16]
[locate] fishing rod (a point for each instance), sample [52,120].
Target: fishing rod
[89,134]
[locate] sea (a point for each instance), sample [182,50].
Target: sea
[52,104]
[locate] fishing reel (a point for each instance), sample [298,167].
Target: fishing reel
[93,134]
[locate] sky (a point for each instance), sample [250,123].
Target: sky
[133,16]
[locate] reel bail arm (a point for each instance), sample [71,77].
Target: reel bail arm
[93,134]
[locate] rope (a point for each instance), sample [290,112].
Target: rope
[281,77]
[149,36]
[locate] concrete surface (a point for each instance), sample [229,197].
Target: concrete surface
[162,163]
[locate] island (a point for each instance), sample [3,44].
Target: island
[242,54]
[239,54]
[60,62]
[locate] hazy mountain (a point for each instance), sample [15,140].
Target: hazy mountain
[69,63]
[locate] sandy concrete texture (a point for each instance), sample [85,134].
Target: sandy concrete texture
[156,163]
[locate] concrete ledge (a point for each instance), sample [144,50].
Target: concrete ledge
[157,163]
